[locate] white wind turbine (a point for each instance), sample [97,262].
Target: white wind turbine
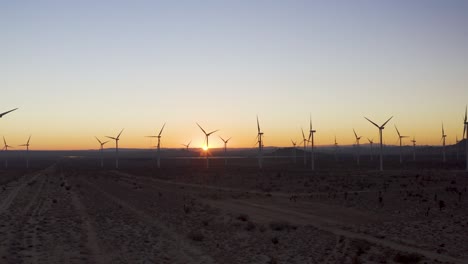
[304,140]
[207,146]
[294,150]
[400,138]
[357,145]
[27,151]
[158,146]
[311,138]
[225,149]
[371,142]
[443,143]
[382,127]
[5,148]
[116,148]
[414,148]
[260,145]
[101,150]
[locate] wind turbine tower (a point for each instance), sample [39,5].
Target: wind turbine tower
[400,138]
[27,151]
[382,127]
[465,130]
[304,140]
[294,150]
[207,147]
[371,142]
[260,145]
[116,148]
[443,143]
[414,148]
[5,148]
[158,146]
[357,145]
[311,138]
[225,149]
[101,149]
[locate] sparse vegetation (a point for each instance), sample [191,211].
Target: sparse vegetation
[410,258]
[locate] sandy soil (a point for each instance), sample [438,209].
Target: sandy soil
[66,214]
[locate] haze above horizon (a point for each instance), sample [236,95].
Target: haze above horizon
[79,69]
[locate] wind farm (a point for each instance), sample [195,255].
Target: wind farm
[161,132]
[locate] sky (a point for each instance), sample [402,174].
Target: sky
[79,69]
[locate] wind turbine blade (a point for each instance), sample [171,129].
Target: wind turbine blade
[228,139]
[28,139]
[386,121]
[4,141]
[111,137]
[161,129]
[104,142]
[355,133]
[120,133]
[4,113]
[443,133]
[398,132]
[372,122]
[466,107]
[201,128]
[212,132]
[189,143]
[258,125]
[96,139]
[222,139]
[310,122]
[303,136]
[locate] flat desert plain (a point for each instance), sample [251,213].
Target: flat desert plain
[71,211]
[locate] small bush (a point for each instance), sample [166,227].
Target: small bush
[243,217]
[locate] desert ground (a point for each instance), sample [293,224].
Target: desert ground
[69,210]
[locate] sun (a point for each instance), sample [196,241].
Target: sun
[205,148]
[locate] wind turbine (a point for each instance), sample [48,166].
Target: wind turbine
[207,147]
[27,152]
[357,145]
[336,150]
[5,148]
[102,151]
[159,144]
[414,149]
[371,142]
[116,148]
[443,143]
[294,150]
[400,137]
[187,145]
[311,138]
[382,127]
[304,140]
[225,149]
[4,113]
[465,129]
[260,145]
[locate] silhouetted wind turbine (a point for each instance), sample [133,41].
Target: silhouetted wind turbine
[187,145]
[5,148]
[294,150]
[465,129]
[304,140]
[336,150]
[159,144]
[311,138]
[371,142]
[27,151]
[382,127]
[400,137]
[357,145]
[414,148]
[443,143]
[225,149]
[207,147]
[102,151]
[260,145]
[116,148]
[4,113]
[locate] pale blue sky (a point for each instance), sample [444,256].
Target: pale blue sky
[80,68]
